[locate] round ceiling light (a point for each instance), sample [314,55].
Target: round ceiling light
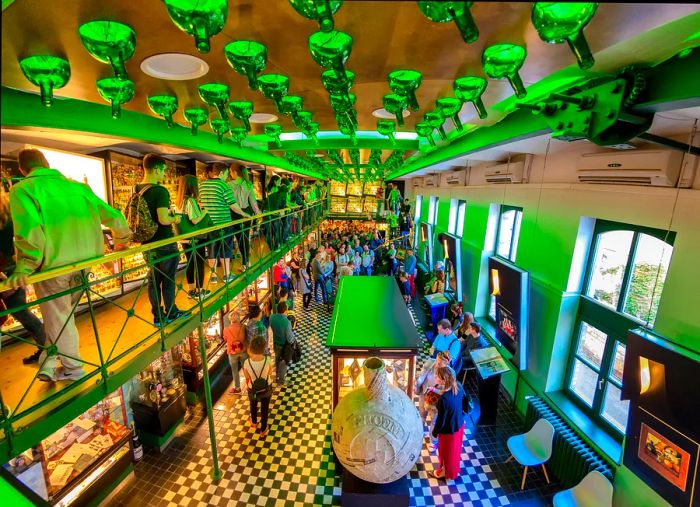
[174,66]
[383,113]
[262,118]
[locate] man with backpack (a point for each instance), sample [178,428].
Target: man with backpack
[151,196]
[257,369]
[57,223]
[282,335]
[447,340]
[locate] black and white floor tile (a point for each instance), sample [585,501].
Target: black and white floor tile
[293,465]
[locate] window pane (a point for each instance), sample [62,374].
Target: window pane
[651,261]
[460,218]
[592,344]
[516,235]
[505,233]
[614,409]
[492,307]
[609,266]
[583,382]
[618,364]
[452,223]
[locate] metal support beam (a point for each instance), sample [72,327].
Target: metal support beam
[23,109]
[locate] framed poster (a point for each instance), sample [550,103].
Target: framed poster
[664,457]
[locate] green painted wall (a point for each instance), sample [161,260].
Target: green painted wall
[551,218]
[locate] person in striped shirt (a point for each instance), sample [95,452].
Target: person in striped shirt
[218,200]
[244,193]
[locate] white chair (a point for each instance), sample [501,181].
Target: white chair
[594,490]
[532,448]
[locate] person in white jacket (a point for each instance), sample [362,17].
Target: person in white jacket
[57,223]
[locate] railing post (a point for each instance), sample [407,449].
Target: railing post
[86,284]
[216,473]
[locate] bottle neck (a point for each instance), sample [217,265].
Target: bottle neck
[375,377]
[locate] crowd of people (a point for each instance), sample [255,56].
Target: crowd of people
[48,220]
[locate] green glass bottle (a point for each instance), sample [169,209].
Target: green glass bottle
[331,50]
[457,11]
[406,82]
[470,89]
[221,126]
[319,10]
[109,42]
[395,104]
[273,131]
[238,134]
[449,107]
[435,120]
[310,130]
[274,87]
[344,105]
[291,105]
[557,22]
[241,110]
[303,119]
[196,116]
[248,58]
[200,18]
[117,91]
[165,106]
[336,83]
[504,61]
[47,72]
[215,95]
[347,130]
[387,128]
[425,130]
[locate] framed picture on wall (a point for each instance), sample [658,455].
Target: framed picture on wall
[664,457]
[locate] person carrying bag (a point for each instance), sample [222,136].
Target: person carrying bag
[257,370]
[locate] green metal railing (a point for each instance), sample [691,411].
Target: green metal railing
[118,336]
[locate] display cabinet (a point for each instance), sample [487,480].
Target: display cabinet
[337,188]
[370,205]
[348,374]
[81,460]
[258,179]
[354,205]
[338,204]
[259,292]
[158,400]
[354,188]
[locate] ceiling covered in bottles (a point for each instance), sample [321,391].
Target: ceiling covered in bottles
[387,36]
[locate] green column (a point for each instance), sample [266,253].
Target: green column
[216,475]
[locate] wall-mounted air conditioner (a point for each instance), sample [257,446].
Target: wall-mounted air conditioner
[456,178]
[659,168]
[430,180]
[417,182]
[505,173]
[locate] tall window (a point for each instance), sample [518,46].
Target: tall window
[626,271]
[417,220]
[432,220]
[508,232]
[455,225]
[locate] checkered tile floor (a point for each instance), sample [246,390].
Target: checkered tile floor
[293,465]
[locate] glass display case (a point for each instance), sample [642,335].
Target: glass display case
[79,461]
[338,204]
[354,188]
[259,292]
[337,188]
[371,188]
[354,205]
[258,179]
[158,400]
[350,375]
[370,205]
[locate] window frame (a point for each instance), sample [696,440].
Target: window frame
[417,220]
[515,237]
[613,322]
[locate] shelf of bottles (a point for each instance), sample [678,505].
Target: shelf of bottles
[354,197]
[62,467]
[338,188]
[159,383]
[187,352]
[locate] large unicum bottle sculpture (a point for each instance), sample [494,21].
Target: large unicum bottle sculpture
[196,116]
[319,10]
[470,89]
[248,58]
[557,22]
[165,106]
[376,430]
[47,72]
[200,18]
[117,91]
[504,61]
[457,11]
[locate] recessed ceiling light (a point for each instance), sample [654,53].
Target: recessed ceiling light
[263,118]
[174,66]
[383,113]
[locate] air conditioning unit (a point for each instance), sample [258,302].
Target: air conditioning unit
[659,168]
[430,181]
[417,182]
[505,173]
[453,178]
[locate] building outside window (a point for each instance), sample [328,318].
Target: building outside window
[626,271]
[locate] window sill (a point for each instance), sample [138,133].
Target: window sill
[603,441]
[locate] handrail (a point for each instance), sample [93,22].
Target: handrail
[76,266]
